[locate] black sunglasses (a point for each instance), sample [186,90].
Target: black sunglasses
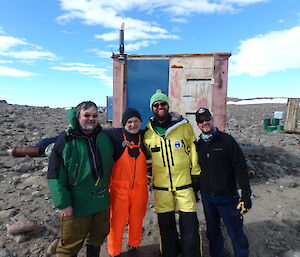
[159,104]
[86,115]
[202,120]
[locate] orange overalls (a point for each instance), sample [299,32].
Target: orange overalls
[129,197]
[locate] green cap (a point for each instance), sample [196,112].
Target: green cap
[158,96]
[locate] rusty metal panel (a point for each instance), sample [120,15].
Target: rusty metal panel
[220,89]
[119,91]
[191,85]
[292,122]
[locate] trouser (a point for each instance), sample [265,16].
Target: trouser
[224,206]
[126,206]
[75,229]
[188,244]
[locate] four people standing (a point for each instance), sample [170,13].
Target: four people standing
[79,175]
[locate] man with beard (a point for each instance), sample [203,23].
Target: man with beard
[170,142]
[78,177]
[222,166]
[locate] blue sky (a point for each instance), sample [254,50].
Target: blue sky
[57,52]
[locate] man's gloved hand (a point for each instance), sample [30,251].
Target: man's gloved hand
[196,185]
[245,202]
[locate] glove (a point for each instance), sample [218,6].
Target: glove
[245,203]
[196,186]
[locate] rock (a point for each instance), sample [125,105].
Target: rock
[25,167]
[292,253]
[22,225]
[285,214]
[52,247]
[39,180]
[52,223]
[21,125]
[37,193]
[4,253]
[7,213]
[36,250]
[19,238]
[288,182]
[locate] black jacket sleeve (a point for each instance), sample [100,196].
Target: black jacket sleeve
[239,164]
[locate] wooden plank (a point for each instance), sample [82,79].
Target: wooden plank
[293,116]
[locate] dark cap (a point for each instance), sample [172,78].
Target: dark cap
[129,113]
[202,113]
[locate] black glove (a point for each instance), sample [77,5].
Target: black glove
[196,185]
[245,202]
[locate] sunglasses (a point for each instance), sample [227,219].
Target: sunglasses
[87,115]
[202,120]
[159,104]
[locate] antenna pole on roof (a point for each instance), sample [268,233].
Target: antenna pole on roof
[121,47]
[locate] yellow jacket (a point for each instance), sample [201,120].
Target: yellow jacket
[174,156]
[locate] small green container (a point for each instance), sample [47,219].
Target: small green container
[279,127]
[275,122]
[267,122]
[270,128]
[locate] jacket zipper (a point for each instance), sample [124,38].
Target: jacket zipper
[94,160]
[208,146]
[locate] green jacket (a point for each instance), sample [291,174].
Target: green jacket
[78,173]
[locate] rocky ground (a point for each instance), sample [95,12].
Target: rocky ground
[29,224]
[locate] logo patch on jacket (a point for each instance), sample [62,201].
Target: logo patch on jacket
[217,149]
[177,144]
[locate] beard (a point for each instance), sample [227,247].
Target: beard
[88,127]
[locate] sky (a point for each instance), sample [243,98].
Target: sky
[57,53]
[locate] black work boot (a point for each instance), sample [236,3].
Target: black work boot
[132,251]
[92,251]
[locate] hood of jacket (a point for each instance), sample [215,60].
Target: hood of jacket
[71,117]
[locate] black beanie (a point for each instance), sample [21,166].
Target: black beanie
[129,113]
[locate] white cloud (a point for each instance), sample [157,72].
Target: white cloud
[132,35]
[111,14]
[179,20]
[101,53]
[138,45]
[20,49]
[87,69]
[243,2]
[5,61]
[10,72]
[271,52]
[8,42]
[30,55]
